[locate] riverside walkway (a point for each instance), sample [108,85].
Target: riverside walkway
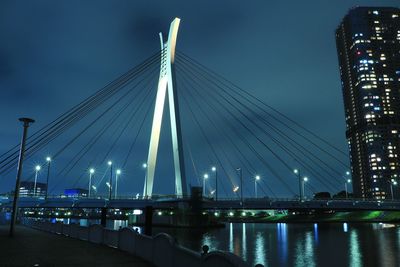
[31,247]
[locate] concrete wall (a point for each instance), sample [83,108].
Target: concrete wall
[161,250]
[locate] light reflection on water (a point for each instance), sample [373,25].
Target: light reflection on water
[282,242]
[308,245]
[345,227]
[355,254]
[300,245]
[260,253]
[230,237]
[244,242]
[316,233]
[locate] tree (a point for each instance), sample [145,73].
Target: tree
[342,194]
[322,195]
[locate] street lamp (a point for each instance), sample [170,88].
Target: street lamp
[345,187]
[110,182]
[205,177]
[26,122]
[257,178]
[214,169]
[37,169]
[392,183]
[91,172]
[118,173]
[94,188]
[347,181]
[48,159]
[304,180]
[241,184]
[297,172]
[144,166]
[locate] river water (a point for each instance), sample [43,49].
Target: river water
[300,244]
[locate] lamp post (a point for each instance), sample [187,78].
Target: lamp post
[345,187]
[37,169]
[91,172]
[257,178]
[241,184]
[144,166]
[26,122]
[347,181]
[94,188]
[214,169]
[205,177]
[304,180]
[297,172]
[392,183]
[48,159]
[110,182]
[117,174]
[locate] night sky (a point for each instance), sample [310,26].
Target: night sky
[53,54]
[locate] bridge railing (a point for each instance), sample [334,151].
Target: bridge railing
[209,202]
[161,250]
[246,199]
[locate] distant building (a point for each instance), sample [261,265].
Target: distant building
[27,189]
[368,44]
[76,192]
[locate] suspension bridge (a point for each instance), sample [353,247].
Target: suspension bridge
[242,151]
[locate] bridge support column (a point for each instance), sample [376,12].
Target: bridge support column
[166,84]
[148,220]
[103,219]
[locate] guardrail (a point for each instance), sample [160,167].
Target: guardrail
[247,203]
[161,250]
[174,198]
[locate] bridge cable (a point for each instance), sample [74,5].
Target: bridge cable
[221,132]
[246,95]
[260,141]
[93,141]
[127,123]
[274,139]
[76,117]
[113,119]
[279,132]
[243,139]
[194,118]
[75,109]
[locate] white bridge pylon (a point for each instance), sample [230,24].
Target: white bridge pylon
[166,84]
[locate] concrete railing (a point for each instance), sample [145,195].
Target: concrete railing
[161,250]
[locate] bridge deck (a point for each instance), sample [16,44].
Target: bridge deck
[260,204]
[30,247]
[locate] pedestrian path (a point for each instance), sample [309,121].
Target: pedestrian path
[30,247]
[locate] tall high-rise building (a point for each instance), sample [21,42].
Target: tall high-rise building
[368,44]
